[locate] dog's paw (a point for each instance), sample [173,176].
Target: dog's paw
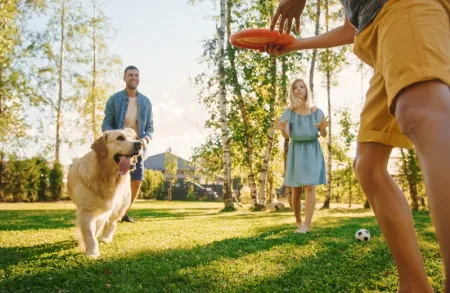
[82,247]
[93,255]
[106,239]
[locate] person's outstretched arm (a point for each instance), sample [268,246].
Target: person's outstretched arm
[342,35]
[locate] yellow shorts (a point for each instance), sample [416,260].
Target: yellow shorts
[408,42]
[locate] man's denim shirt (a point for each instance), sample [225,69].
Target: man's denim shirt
[116,108]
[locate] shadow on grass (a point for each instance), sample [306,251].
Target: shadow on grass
[19,220]
[346,210]
[36,219]
[338,266]
[13,255]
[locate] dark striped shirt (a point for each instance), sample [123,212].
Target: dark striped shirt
[362,12]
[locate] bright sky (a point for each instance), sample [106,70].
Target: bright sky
[166,52]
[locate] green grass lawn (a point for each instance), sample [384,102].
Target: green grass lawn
[193,247]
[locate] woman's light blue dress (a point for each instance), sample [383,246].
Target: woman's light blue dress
[305,163]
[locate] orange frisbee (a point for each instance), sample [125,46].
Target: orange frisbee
[259,38]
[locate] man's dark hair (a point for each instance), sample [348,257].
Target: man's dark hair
[131,67]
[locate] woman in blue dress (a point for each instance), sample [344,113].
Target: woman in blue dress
[305,165]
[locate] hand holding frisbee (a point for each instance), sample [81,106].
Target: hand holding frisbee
[261,39]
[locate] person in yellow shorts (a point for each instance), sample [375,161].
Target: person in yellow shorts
[407,43]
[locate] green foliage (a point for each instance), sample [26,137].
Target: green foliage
[95,84]
[192,195]
[27,180]
[44,181]
[153,185]
[410,177]
[56,177]
[171,166]
[16,45]
[255,84]
[345,185]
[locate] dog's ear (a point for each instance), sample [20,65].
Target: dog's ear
[99,146]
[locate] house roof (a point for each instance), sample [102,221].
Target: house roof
[157,162]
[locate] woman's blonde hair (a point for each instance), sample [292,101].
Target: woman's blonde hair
[294,101]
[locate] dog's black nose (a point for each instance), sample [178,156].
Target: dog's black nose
[138,145]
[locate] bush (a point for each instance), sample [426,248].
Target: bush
[191,195]
[153,185]
[43,186]
[56,177]
[24,180]
[245,195]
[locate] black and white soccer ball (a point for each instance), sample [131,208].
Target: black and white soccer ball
[362,235]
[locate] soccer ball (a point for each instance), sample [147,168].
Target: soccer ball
[362,235]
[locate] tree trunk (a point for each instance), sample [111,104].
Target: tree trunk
[60,80]
[94,72]
[351,196]
[314,53]
[243,111]
[228,200]
[414,168]
[287,189]
[2,168]
[270,181]
[271,135]
[326,204]
[1,89]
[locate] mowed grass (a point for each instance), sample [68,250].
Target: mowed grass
[193,247]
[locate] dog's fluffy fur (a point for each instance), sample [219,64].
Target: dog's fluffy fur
[102,194]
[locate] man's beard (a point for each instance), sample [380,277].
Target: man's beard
[131,87]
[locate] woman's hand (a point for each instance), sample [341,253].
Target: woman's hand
[281,125]
[323,124]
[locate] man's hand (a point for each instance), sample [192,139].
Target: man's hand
[288,10]
[145,141]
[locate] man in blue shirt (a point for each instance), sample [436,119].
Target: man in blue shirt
[129,108]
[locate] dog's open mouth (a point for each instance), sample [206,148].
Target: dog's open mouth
[126,163]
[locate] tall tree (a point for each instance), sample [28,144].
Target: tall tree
[331,62]
[61,56]
[271,134]
[315,15]
[96,84]
[248,136]
[228,200]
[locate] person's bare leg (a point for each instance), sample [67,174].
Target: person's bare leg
[296,204]
[423,112]
[310,204]
[393,215]
[135,188]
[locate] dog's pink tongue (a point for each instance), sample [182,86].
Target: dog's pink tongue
[124,165]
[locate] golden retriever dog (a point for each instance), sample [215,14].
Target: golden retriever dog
[99,185]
